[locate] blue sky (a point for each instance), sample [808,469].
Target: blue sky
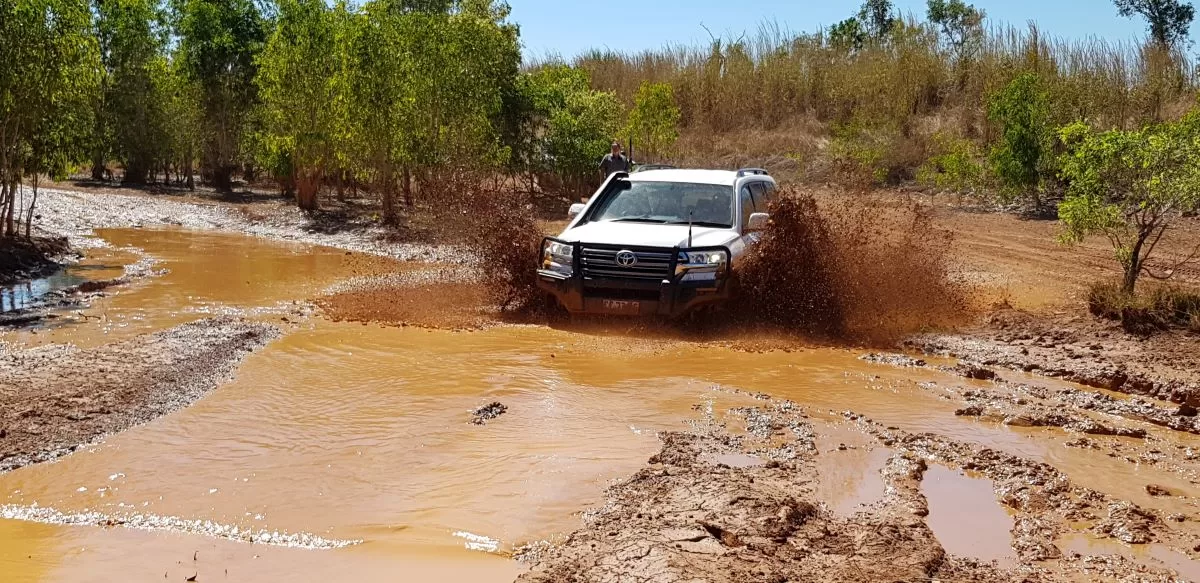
[568,27]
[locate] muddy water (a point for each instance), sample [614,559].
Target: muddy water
[355,432]
[965,516]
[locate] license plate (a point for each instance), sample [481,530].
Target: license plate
[621,307]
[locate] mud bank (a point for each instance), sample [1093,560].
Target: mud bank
[22,258]
[734,500]
[55,398]
[76,214]
[1082,350]
[49,306]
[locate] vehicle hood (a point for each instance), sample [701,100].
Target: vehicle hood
[647,235]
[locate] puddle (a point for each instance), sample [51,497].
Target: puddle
[1151,555]
[848,465]
[359,432]
[965,516]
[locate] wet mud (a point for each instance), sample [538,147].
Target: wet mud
[47,412]
[687,516]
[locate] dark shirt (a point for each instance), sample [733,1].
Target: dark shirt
[610,164]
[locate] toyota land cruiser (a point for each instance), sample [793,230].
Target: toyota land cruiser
[657,242]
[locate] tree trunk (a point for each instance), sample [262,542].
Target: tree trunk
[1133,267]
[222,178]
[9,226]
[308,186]
[32,205]
[407,185]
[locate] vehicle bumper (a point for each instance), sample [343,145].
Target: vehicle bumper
[669,298]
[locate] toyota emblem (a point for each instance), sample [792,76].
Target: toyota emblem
[626,258]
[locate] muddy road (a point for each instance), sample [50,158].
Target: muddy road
[252,409]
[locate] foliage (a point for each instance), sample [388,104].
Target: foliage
[956,165]
[570,126]
[132,44]
[878,18]
[847,35]
[47,87]
[1129,186]
[654,119]
[1144,313]
[426,83]
[218,43]
[298,84]
[1168,21]
[1024,151]
[961,24]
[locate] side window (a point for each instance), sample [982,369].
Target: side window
[764,197]
[746,201]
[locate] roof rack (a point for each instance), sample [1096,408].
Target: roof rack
[752,171]
[646,167]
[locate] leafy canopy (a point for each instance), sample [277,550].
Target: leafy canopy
[1167,20]
[1129,186]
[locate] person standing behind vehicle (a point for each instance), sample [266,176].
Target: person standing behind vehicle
[614,161]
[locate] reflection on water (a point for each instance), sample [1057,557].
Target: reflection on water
[21,295]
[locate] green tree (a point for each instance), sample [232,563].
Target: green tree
[428,81]
[961,24]
[878,18]
[1024,152]
[298,73]
[1129,186]
[1167,20]
[847,35]
[217,46]
[570,124]
[47,82]
[654,120]
[132,41]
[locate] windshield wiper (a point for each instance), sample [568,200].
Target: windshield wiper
[703,224]
[638,220]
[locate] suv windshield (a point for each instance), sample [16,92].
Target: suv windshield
[667,202]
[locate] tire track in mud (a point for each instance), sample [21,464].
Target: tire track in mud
[691,516]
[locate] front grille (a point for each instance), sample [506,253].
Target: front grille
[601,262]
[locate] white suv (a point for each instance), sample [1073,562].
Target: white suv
[659,242]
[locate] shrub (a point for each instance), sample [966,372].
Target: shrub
[1159,309]
[955,166]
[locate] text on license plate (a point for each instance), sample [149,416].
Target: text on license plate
[621,307]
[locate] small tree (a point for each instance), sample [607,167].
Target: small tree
[961,24]
[1023,154]
[847,35]
[297,81]
[1167,20]
[1129,186]
[654,120]
[878,18]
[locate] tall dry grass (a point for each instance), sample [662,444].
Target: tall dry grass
[771,83]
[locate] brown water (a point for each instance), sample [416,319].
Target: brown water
[352,431]
[965,517]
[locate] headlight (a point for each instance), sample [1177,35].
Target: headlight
[703,258]
[558,249]
[558,257]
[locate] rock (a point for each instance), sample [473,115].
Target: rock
[485,413]
[1187,410]
[973,371]
[1156,490]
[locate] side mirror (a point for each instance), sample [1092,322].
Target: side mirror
[575,210]
[757,222]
